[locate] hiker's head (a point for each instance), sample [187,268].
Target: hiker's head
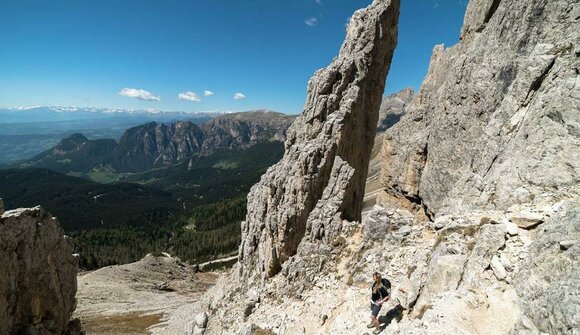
[377,277]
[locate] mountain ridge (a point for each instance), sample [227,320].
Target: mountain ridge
[155,144]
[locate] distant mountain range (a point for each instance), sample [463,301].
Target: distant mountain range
[25,132]
[154,145]
[63,113]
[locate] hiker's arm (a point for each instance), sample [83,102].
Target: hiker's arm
[387,297]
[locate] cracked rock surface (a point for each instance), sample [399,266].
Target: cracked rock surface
[321,178]
[38,277]
[497,119]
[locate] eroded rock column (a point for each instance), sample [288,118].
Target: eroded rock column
[321,178]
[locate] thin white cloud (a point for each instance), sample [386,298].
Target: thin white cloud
[190,96]
[139,94]
[319,2]
[207,93]
[239,96]
[311,21]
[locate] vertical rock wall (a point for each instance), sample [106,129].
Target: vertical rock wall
[497,119]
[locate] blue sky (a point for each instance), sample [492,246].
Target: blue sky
[86,52]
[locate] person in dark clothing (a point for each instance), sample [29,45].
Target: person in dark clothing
[380,293]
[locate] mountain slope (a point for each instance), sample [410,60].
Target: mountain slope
[144,147]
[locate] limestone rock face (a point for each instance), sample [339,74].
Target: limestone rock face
[323,171]
[38,278]
[496,121]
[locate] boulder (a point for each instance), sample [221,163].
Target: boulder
[527,220]
[38,279]
[498,268]
[511,227]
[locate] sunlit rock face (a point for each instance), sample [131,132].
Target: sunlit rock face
[496,121]
[321,178]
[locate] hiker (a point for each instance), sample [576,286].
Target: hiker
[380,293]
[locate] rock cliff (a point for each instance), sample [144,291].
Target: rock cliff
[478,228]
[38,278]
[496,121]
[320,180]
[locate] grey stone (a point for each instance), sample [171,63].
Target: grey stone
[567,244]
[444,274]
[526,220]
[488,241]
[201,320]
[1,206]
[505,261]
[496,120]
[321,178]
[548,283]
[38,279]
[511,227]
[498,268]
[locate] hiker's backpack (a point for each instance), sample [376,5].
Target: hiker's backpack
[387,284]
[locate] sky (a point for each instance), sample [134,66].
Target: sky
[195,55]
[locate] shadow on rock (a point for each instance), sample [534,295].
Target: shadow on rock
[395,313]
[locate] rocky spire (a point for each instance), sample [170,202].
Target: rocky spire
[320,180]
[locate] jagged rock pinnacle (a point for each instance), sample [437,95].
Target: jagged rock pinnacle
[320,180]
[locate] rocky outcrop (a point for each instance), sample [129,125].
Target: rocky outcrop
[496,120]
[478,152]
[392,109]
[153,144]
[38,277]
[320,180]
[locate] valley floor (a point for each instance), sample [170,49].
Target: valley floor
[156,295]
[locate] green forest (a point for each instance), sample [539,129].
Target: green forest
[192,211]
[201,234]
